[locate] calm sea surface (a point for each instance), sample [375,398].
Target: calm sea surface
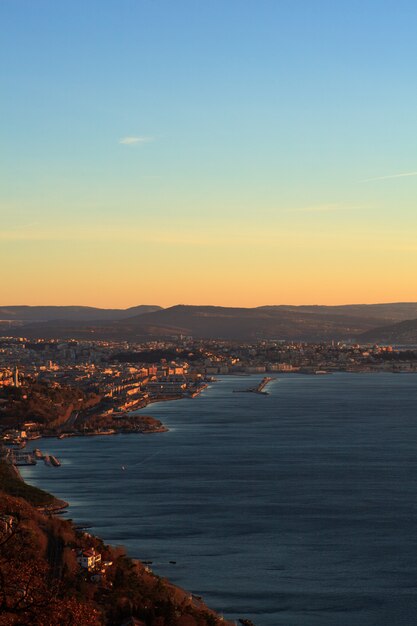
[296,508]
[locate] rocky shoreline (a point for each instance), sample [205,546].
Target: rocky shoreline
[187,608]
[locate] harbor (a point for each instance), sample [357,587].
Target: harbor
[19,459]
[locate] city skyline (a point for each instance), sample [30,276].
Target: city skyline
[233,154]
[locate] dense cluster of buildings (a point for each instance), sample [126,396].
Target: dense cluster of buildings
[114,368]
[116,378]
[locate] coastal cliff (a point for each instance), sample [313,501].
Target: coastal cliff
[44,580]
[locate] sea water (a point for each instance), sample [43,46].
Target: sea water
[294,508]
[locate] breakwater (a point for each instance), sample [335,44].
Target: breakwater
[258,388]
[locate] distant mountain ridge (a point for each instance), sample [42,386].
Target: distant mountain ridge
[235,323]
[74,313]
[395,311]
[146,322]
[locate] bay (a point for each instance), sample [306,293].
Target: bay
[294,508]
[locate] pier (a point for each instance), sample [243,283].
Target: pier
[258,389]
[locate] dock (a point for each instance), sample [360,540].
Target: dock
[23,459]
[258,389]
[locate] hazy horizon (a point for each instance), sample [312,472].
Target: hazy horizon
[206,304]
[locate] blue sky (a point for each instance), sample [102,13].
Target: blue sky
[231,136]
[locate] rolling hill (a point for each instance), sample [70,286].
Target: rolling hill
[300,323]
[394,311]
[246,324]
[402,333]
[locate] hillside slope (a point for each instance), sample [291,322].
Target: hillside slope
[403,333]
[245,324]
[390,311]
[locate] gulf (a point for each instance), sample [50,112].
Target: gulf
[297,508]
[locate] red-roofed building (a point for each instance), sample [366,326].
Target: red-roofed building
[89,559]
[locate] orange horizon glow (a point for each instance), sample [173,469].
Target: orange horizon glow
[230,304]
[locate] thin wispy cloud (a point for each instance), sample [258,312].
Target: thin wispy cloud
[403,175]
[131,140]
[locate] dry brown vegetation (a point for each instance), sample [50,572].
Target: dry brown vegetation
[41,583]
[43,403]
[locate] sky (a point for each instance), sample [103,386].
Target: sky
[228,152]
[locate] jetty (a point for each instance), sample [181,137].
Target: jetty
[49,459]
[258,389]
[194,392]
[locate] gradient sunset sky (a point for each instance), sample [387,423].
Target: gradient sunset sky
[231,152]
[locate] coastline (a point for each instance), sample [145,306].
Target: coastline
[15,485]
[181,596]
[57,506]
[336,382]
[154,425]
